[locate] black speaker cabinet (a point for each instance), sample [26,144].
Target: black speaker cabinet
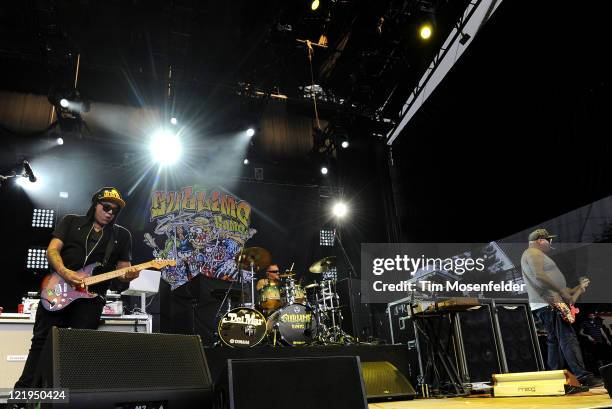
[478,336]
[356,316]
[383,381]
[606,373]
[517,337]
[498,337]
[296,383]
[123,370]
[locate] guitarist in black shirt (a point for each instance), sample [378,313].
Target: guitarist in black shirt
[79,241]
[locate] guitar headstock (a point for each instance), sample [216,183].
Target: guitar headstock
[161,263]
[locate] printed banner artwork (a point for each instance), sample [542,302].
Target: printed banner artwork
[202,229]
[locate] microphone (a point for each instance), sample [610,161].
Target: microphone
[29,173]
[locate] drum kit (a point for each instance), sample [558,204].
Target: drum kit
[285,312]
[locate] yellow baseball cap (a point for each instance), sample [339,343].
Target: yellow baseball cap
[108,194]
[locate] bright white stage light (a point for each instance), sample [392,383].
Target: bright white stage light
[250,132]
[345,144]
[37,259]
[60,141]
[327,238]
[63,195]
[173,121]
[64,103]
[43,218]
[165,147]
[324,170]
[245,161]
[27,185]
[340,209]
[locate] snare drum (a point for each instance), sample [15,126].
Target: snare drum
[295,324]
[292,293]
[300,294]
[269,297]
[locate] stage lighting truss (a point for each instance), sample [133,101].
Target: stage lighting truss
[37,259]
[327,238]
[43,218]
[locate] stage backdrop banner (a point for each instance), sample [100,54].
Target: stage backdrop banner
[203,229]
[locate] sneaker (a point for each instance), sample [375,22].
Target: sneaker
[592,381]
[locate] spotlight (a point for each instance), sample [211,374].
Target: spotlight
[425,31]
[245,161]
[165,147]
[340,209]
[314,5]
[250,132]
[27,185]
[173,121]
[324,170]
[63,195]
[60,141]
[64,103]
[345,144]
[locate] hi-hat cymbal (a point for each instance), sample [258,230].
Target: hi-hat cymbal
[257,256]
[287,274]
[322,265]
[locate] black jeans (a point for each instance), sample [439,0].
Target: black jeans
[562,343]
[82,314]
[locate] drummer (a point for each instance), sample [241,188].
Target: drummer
[272,277]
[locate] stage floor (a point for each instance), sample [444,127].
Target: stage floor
[596,398]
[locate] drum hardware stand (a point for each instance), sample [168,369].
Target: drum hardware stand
[333,334]
[229,307]
[252,303]
[344,253]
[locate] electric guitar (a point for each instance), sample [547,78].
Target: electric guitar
[56,293]
[569,311]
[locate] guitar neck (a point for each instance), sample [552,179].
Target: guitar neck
[114,274]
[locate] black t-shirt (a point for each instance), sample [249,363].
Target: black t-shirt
[84,246]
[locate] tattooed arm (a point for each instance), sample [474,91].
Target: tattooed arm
[56,262]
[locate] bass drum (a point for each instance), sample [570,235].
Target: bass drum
[242,328]
[295,324]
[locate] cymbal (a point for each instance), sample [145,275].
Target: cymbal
[287,274]
[313,285]
[258,256]
[322,265]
